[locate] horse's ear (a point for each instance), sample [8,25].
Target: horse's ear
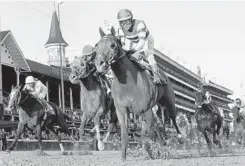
[113,31]
[21,87]
[102,33]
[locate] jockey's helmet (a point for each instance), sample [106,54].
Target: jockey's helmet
[124,14]
[88,50]
[29,79]
[238,102]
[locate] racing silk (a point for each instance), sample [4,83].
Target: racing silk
[139,30]
[130,39]
[207,98]
[39,91]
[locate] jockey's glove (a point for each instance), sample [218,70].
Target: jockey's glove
[138,55]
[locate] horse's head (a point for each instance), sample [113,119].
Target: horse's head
[14,97]
[108,50]
[79,69]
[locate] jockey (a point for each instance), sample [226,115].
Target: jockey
[135,36]
[38,90]
[89,53]
[240,104]
[206,101]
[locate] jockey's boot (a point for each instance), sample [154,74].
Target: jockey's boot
[46,109]
[156,76]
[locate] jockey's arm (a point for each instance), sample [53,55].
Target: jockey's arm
[140,44]
[24,88]
[141,29]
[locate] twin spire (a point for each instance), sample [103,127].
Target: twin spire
[55,35]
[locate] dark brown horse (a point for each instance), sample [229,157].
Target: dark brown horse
[208,121]
[93,97]
[132,88]
[31,113]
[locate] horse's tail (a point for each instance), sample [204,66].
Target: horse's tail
[60,118]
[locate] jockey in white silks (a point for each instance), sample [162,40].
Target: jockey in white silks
[37,89]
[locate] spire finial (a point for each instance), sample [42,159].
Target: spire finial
[54,6]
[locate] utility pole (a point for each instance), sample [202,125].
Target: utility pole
[1,86]
[61,65]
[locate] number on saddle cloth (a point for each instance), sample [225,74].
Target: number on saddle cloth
[143,66]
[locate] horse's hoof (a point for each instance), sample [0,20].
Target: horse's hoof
[64,153]
[123,160]
[7,151]
[101,145]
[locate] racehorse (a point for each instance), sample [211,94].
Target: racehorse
[132,88]
[207,121]
[31,113]
[238,124]
[93,97]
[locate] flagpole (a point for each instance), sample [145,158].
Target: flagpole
[61,66]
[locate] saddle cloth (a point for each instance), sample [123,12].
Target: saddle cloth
[143,65]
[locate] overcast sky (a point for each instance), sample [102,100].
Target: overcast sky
[205,33]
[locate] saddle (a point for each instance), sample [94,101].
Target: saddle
[48,109]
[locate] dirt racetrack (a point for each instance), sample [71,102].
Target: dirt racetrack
[110,158]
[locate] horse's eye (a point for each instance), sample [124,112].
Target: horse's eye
[113,45]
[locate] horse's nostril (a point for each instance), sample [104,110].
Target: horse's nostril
[102,62]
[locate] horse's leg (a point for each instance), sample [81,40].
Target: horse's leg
[82,125]
[39,136]
[97,128]
[153,127]
[168,100]
[109,130]
[21,127]
[215,141]
[51,129]
[207,139]
[215,133]
[113,122]
[123,121]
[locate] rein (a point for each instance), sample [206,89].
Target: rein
[114,60]
[88,73]
[4,91]
[19,98]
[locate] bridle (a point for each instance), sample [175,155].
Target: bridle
[114,58]
[18,101]
[81,76]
